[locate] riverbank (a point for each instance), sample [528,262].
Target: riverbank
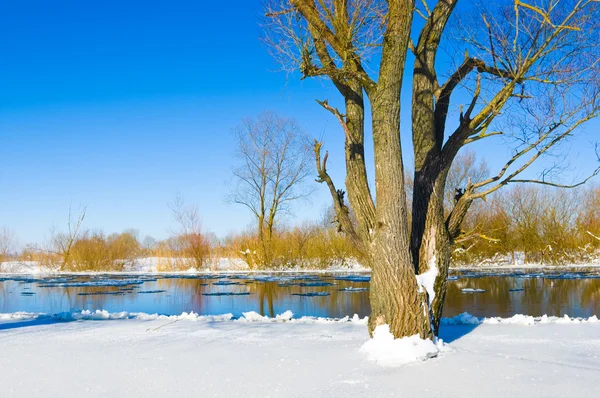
[203,356]
[152,265]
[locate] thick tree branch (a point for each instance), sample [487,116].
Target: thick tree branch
[342,212]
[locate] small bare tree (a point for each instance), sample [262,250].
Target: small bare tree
[189,239]
[274,162]
[63,241]
[8,243]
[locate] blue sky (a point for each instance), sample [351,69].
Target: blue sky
[121,104]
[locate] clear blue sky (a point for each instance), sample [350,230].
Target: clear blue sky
[120,104]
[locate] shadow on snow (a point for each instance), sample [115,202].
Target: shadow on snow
[450,333]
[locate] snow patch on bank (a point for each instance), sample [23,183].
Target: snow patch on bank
[167,265]
[467,319]
[251,316]
[384,349]
[19,316]
[288,316]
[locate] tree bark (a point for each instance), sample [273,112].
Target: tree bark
[396,299]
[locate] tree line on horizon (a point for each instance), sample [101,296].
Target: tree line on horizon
[525,224]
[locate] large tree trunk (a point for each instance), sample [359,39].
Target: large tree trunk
[396,299]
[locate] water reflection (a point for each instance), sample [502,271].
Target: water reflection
[316,295]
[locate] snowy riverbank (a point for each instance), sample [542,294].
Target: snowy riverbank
[189,355]
[155,265]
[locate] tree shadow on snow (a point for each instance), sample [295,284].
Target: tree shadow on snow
[450,333]
[30,322]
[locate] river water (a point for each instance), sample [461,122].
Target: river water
[576,294]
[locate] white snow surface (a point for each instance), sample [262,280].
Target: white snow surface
[426,280]
[384,349]
[99,354]
[157,265]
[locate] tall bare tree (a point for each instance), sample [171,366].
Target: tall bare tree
[274,163]
[530,74]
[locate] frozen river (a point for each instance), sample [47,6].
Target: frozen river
[324,295]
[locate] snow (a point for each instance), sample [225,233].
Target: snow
[161,265]
[99,354]
[467,319]
[384,349]
[469,290]
[426,280]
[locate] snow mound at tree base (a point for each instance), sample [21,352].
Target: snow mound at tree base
[388,351]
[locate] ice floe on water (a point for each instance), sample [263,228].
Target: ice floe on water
[102,293]
[315,284]
[226,294]
[96,283]
[311,294]
[353,289]
[226,283]
[470,290]
[353,278]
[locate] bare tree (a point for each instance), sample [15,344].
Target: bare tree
[530,71]
[8,243]
[189,239]
[63,241]
[274,158]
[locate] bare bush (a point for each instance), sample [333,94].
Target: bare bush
[188,243]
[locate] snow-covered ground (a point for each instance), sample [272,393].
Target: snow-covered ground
[159,265]
[72,355]
[225,265]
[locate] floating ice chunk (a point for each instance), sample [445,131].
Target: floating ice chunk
[150,291]
[353,278]
[353,289]
[311,284]
[311,294]
[469,290]
[226,294]
[101,283]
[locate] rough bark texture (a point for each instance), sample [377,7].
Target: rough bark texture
[394,292]
[430,245]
